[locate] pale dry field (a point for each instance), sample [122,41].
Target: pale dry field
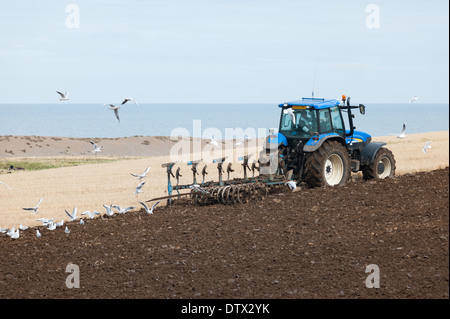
[89,186]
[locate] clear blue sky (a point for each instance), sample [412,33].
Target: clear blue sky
[223,51]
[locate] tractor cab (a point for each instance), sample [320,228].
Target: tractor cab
[309,117]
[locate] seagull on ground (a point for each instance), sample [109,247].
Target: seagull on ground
[128,99]
[21,227]
[427,146]
[97,149]
[38,234]
[51,226]
[35,208]
[14,235]
[60,223]
[402,134]
[213,142]
[413,99]
[3,230]
[138,188]
[81,221]
[142,175]
[109,210]
[74,214]
[291,114]
[67,230]
[150,211]
[123,210]
[115,109]
[91,215]
[1,183]
[64,96]
[11,231]
[197,188]
[292,185]
[45,221]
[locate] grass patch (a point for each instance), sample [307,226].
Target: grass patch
[34,164]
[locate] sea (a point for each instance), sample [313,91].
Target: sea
[68,119]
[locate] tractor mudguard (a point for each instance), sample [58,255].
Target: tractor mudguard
[369,152]
[313,145]
[277,139]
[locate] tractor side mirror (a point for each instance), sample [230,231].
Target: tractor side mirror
[362,109]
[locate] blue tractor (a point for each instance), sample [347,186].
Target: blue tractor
[314,146]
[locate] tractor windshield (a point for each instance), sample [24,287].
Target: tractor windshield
[298,123]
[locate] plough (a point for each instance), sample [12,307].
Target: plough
[229,191]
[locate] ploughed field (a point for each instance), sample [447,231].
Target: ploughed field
[311,243]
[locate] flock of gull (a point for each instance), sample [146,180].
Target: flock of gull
[51,224]
[65,97]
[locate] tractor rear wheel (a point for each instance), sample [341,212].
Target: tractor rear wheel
[329,165]
[383,165]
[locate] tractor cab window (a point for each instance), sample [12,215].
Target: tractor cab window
[325,121]
[298,123]
[336,120]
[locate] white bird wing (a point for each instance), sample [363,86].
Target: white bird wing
[140,185]
[70,216]
[62,94]
[146,170]
[155,204]
[145,206]
[40,201]
[116,112]
[2,183]
[404,128]
[292,115]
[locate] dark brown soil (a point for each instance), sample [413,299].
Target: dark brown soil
[314,243]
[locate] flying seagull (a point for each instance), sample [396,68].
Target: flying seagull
[413,99]
[142,175]
[402,134]
[138,188]
[97,149]
[35,208]
[213,142]
[115,109]
[427,146]
[292,185]
[291,114]
[128,99]
[237,144]
[122,210]
[64,96]
[150,211]
[74,214]
[1,183]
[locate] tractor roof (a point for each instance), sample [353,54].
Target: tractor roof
[314,102]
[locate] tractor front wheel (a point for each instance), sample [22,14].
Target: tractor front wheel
[329,165]
[383,165]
